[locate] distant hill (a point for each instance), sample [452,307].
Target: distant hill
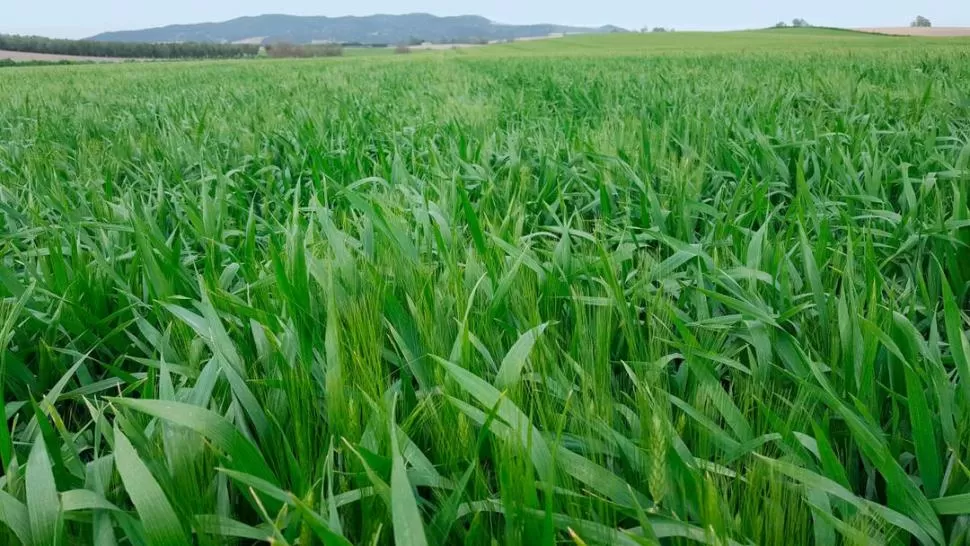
[373,29]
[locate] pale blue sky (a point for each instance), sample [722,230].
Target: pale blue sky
[76,19]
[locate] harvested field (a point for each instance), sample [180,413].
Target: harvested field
[933,32]
[22,56]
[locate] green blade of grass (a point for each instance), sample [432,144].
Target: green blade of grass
[488,396]
[43,503]
[162,525]
[226,527]
[959,349]
[77,500]
[512,365]
[14,515]
[810,479]
[10,316]
[238,451]
[317,523]
[956,505]
[405,516]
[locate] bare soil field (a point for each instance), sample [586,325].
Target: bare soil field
[21,56]
[937,32]
[430,46]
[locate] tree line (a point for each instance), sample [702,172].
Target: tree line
[88,48]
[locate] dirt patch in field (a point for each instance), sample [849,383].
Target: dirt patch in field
[21,56]
[431,46]
[937,32]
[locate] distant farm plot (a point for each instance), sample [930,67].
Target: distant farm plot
[929,32]
[21,56]
[672,43]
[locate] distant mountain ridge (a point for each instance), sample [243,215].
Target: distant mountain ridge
[372,29]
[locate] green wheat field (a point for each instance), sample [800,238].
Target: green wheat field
[635,290]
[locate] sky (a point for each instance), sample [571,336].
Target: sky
[79,19]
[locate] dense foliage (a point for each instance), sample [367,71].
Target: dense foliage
[921,22]
[317,50]
[464,299]
[88,48]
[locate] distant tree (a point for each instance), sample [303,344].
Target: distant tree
[800,23]
[329,50]
[283,49]
[415,41]
[402,49]
[921,22]
[781,24]
[658,29]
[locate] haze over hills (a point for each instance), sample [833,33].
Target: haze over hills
[373,29]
